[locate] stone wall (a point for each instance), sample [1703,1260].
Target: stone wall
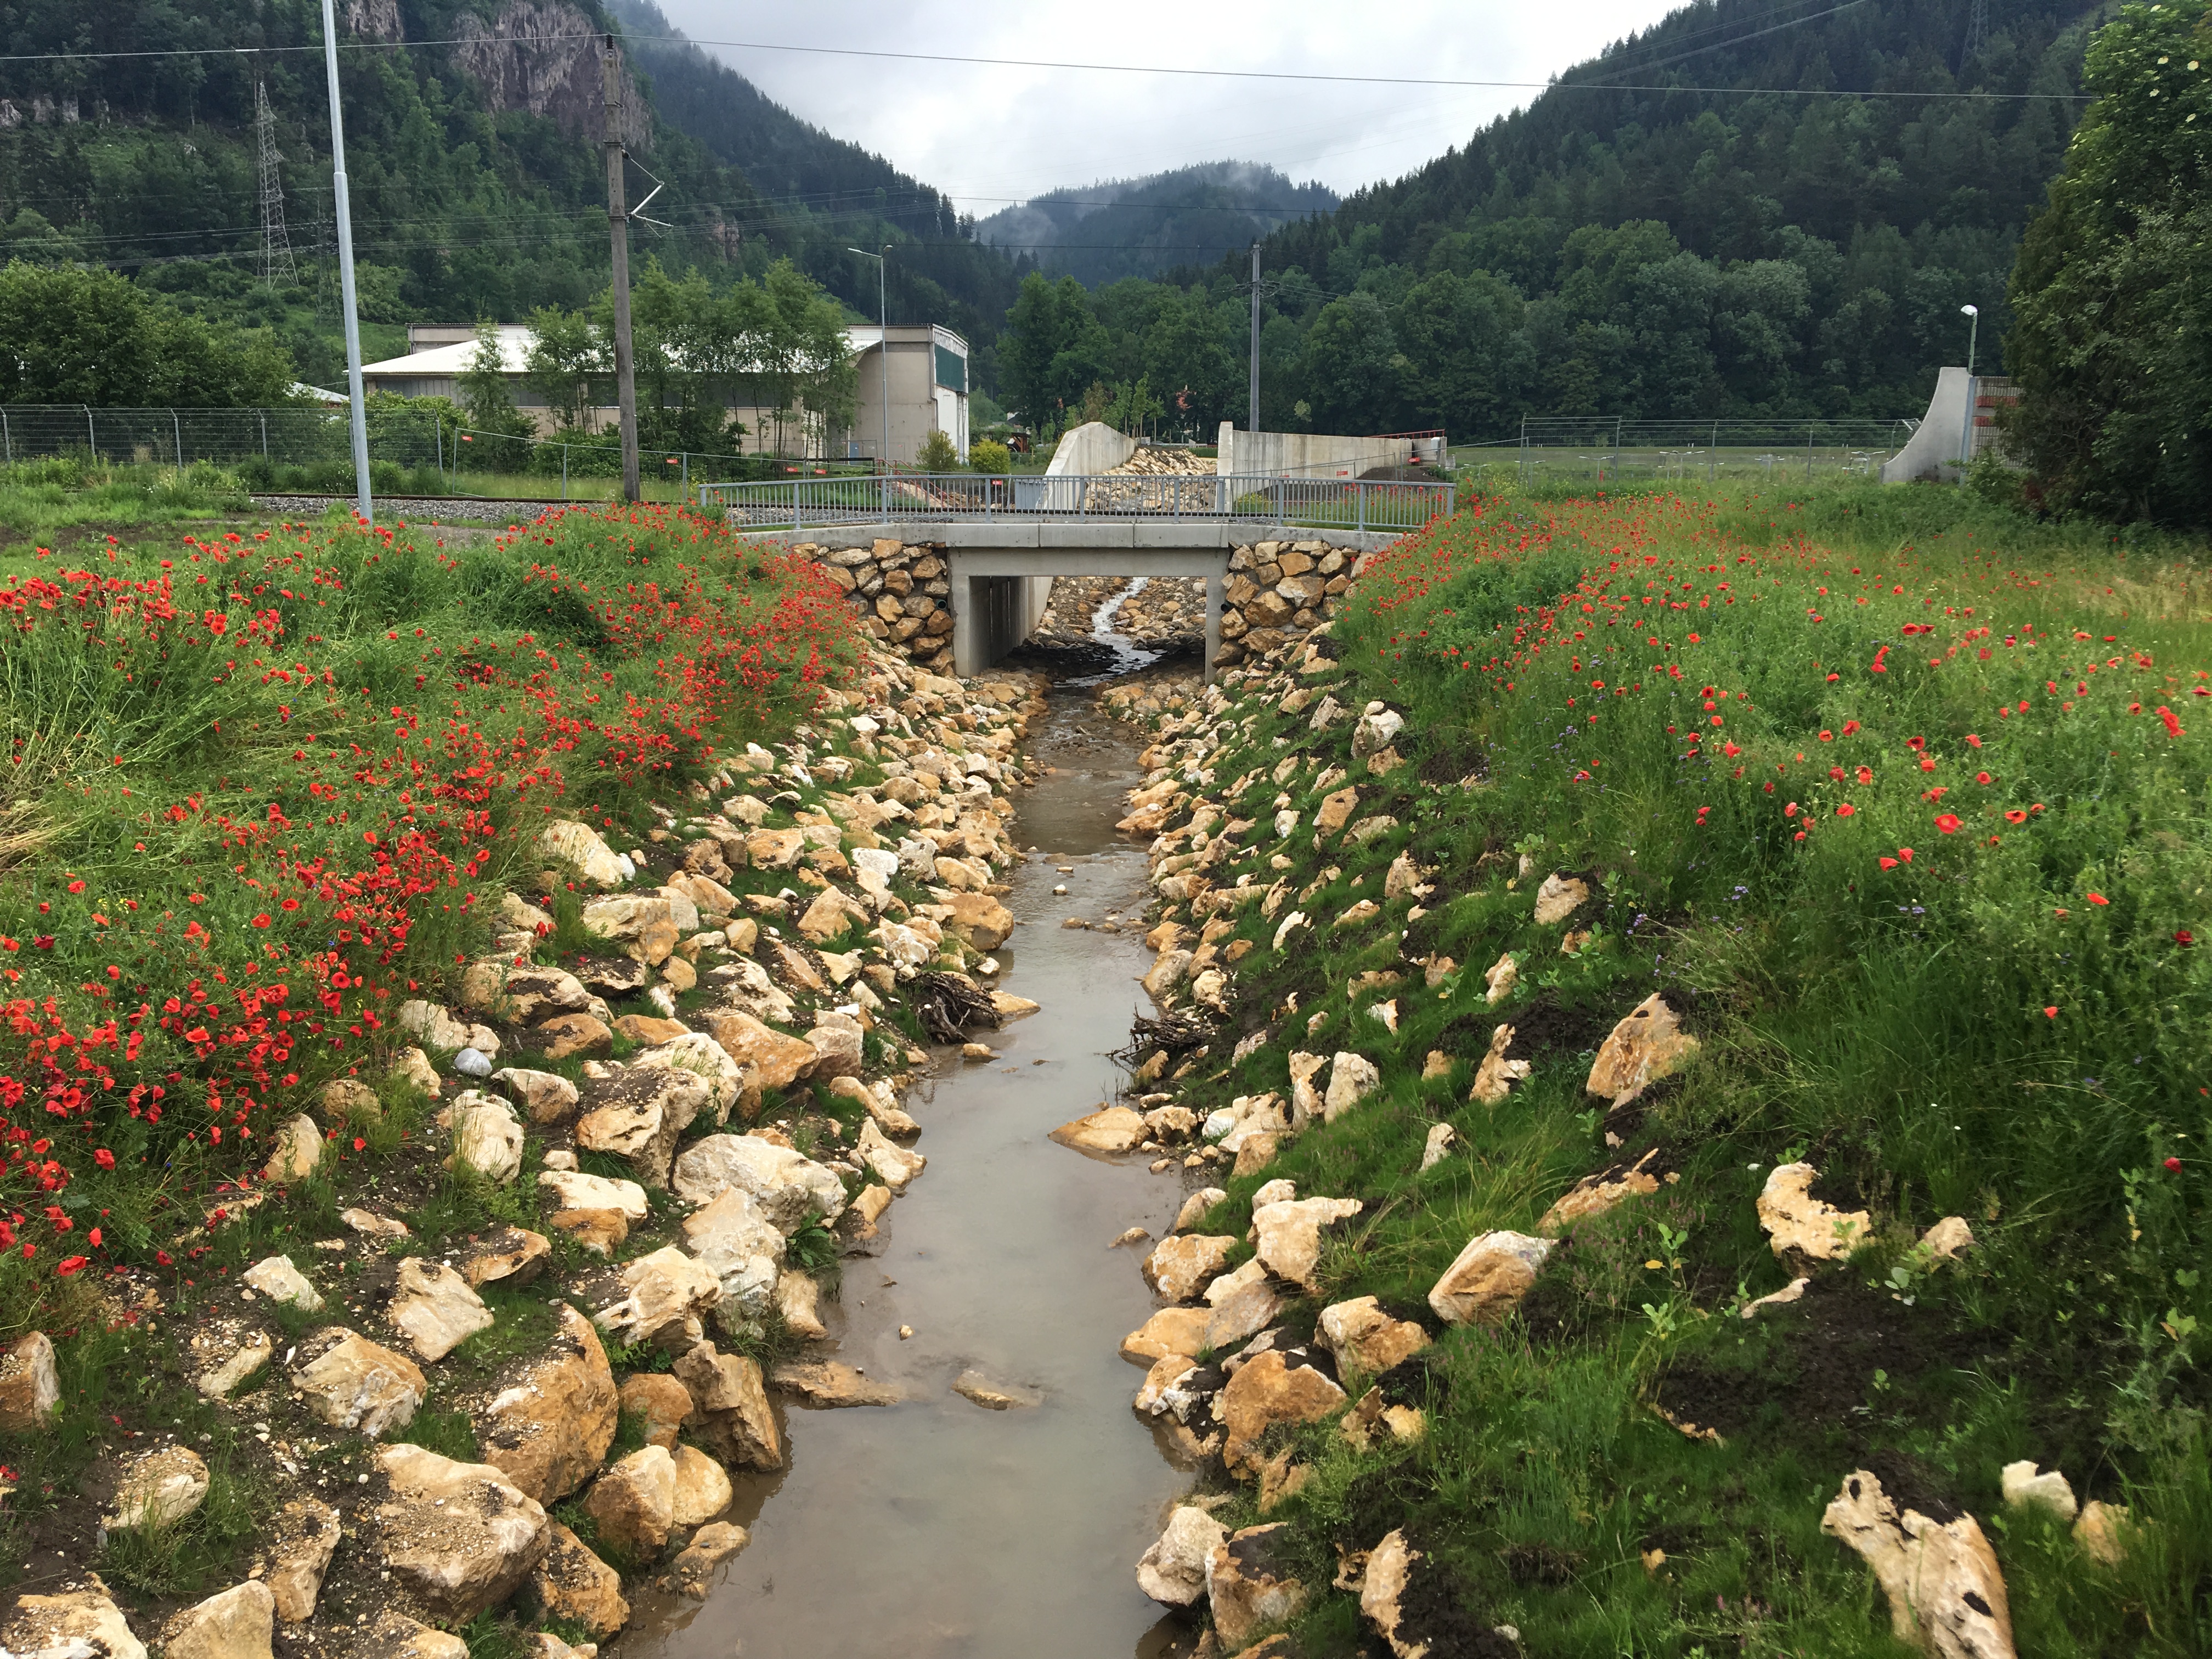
[1279,590]
[900,593]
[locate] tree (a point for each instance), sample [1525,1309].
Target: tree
[2112,293]
[1355,374]
[1054,348]
[498,427]
[89,337]
[569,357]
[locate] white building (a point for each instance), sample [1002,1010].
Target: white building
[928,373]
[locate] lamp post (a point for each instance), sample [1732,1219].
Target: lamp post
[1973,314]
[341,210]
[883,354]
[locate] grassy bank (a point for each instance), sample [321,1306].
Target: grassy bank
[1900,804]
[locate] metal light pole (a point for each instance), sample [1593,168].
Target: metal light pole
[882,356]
[618,233]
[1252,421]
[1966,427]
[340,206]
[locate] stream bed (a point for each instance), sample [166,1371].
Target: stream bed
[936,1527]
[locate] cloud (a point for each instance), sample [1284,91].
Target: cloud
[991,136]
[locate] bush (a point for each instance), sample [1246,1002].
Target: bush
[937,454]
[990,456]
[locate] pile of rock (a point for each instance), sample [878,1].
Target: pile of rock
[900,593]
[1071,613]
[1278,591]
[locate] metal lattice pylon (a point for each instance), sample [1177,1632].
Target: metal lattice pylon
[277,266]
[1977,28]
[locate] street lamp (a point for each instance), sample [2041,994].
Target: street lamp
[1973,313]
[883,342]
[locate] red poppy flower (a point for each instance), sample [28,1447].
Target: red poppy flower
[2051,1013]
[358,1143]
[1915,743]
[2015,816]
[1886,862]
[2184,938]
[263,919]
[2173,1165]
[2173,724]
[72,1265]
[1845,811]
[1972,741]
[105,1158]
[1984,777]
[1904,852]
[1866,775]
[2099,898]
[1949,822]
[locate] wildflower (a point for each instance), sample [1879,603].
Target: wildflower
[263,919]
[2184,938]
[1904,852]
[1916,743]
[2099,898]
[1949,822]
[2050,1013]
[2016,816]
[2173,724]
[1972,742]
[359,1143]
[1866,775]
[1846,810]
[105,1158]
[1886,862]
[2173,1166]
[1984,777]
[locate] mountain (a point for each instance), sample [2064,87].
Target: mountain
[1120,227]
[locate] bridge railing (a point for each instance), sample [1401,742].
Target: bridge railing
[1320,503]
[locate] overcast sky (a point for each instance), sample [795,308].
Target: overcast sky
[990,136]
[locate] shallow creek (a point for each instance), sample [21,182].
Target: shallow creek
[935,1527]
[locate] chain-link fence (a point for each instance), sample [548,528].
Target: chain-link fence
[309,447]
[1583,452]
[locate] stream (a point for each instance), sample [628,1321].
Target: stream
[936,1527]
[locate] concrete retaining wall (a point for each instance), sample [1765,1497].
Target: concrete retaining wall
[1092,448]
[1304,454]
[1933,450]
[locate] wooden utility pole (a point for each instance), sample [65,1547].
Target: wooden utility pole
[618,233]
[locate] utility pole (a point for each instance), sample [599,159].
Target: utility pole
[1252,423]
[883,354]
[1973,313]
[618,235]
[277,266]
[1977,28]
[341,209]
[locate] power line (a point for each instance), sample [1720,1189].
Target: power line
[275,244]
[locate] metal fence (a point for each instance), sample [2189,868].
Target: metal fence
[1622,452]
[1334,503]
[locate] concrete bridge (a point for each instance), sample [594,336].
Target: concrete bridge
[1000,569]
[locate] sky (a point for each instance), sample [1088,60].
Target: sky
[991,136]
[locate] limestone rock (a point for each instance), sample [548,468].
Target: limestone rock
[566,1036]
[1241,1315]
[395,1636]
[702,1491]
[775,1059]
[299,1150]
[1495,1076]
[306,1536]
[1266,1390]
[573,1583]
[1437,1147]
[1366,1338]
[1389,1568]
[1179,1266]
[2102,1532]
[730,1407]
[275,1277]
[435,1025]
[1647,1045]
[2025,1487]
[1170,1331]
[1352,1079]
[1559,897]
[79,1623]
[577,846]
[573,1189]
[977,1388]
[1173,1570]
[461,1536]
[662,1401]
[642,928]
[1499,981]
[979,920]
[350,1382]
[1110,1129]
[435,1308]
[633,1503]
[1488,1279]
[30,1387]
[736,1242]
[550,1427]
[158,1489]
[226,1353]
[667,1291]
[1946,1594]
[1195,1207]
[487,1136]
[1336,811]
[238,1623]
[369,1224]
[525,995]
[711,1546]
[640,1116]
[548,1097]
[827,1382]
[789,1188]
[1949,1238]
[697,1056]
[1306,1103]
[1595,1194]
[798,1297]
[1795,1220]
[512,1256]
[1245,1586]
[1290,1234]
[836,1053]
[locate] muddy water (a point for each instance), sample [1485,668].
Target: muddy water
[935,1527]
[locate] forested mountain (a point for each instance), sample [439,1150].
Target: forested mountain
[477,180]
[1755,208]
[1142,227]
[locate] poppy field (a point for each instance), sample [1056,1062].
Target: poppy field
[256,789]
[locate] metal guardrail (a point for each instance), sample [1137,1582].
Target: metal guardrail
[1333,503]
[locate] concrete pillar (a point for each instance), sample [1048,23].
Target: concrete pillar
[1213,593]
[966,634]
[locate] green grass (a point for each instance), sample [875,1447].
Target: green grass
[1887,1023]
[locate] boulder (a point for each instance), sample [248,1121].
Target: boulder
[572,1584]
[1947,1595]
[633,1503]
[299,1150]
[1306,1103]
[667,1293]
[646,1030]
[979,918]
[696,1055]
[640,1115]
[567,1035]
[1290,1234]
[547,1096]
[1646,1046]
[1179,1266]
[350,1382]
[1376,730]
[369,1224]
[526,995]
[711,1546]
[435,1309]
[1559,897]
[1268,1389]
[734,1241]
[306,1536]
[2103,1532]
[1245,1585]
[1499,981]
[827,1382]
[1195,1207]
[1437,1147]
[1352,1079]
[395,1636]
[548,1430]
[774,1059]
[730,1406]
[1335,810]
[238,1623]
[79,1623]
[512,1256]
[1488,1279]
[775,849]
[30,1387]
[978,1389]
[577,848]
[573,1189]
[830,914]
[225,1353]
[1173,1570]
[461,1537]
[434,1024]
[158,1489]
[1169,1332]
[275,1277]
[797,1298]
[789,1188]
[487,1137]
[1110,1129]
[1795,1220]
[1595,1194]
[1949,1238]
[660,1401]
[1241,1316]
[1366,1338]
[1495,1076]
[643,928]
[703,1489]
[1383,1589]
[893,1165]
[2026,1487]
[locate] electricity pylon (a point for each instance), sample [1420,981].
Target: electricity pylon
[277,267]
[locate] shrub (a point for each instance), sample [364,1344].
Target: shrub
[990,455]
[937,453]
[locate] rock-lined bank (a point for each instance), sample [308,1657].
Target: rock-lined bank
[513,1379]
